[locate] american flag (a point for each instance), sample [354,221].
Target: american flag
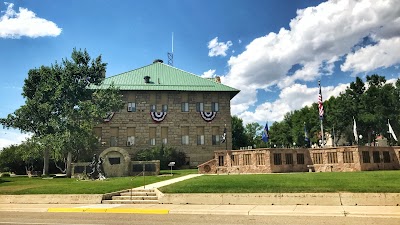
[320,105]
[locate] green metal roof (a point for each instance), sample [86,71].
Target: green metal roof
[163,78]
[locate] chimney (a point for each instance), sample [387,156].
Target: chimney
[158,61]
[218,79]
[147,79]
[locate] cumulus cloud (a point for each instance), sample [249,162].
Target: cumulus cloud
[384,54]
[317,38]
[291,98]
[218,48]
[208,74]
[25,23]
[11,137]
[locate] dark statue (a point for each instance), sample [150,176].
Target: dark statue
[96,167]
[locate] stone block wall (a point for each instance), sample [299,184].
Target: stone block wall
[174,121]
[281,160]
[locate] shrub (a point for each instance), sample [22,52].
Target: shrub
[164,154]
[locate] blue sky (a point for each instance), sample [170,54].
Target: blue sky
[273,51]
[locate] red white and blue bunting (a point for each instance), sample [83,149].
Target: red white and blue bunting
[208,116]
[158,116]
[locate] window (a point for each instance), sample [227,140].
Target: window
[200,135]
[164,108]
[131,136]
[300,158]
[114,136]
[215,136]
[317,157]
[235,160]
[185,107]
[221,160]
[164,135]
[348,157]
[153,108]
[386,157]
[277,159]
[332,157]
[289,158]
[185,135]
[260,159]
[365,156]
[152,135]
[199,107]
[131,107]
[376,156]
[214,107]
[246,159]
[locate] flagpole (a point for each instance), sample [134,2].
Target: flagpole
[321,117]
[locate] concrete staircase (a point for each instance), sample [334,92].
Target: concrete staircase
[134,196]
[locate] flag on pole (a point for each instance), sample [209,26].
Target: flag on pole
[320,104]
[355,130]
[223,139]
[391,131]
[306,138]
[265,135]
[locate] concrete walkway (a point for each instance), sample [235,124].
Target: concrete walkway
[262,210]
[168,182]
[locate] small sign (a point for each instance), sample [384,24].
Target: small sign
[171,164]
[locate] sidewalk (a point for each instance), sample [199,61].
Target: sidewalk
[262,210]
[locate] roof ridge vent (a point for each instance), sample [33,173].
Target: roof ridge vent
[158,61]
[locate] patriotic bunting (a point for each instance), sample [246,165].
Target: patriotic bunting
[158,116]
[208,116]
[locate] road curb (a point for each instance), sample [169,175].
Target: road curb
[110,210]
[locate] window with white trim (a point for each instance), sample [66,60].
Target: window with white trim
[152,135]
[214,107]
[200,135]
[164,135]
[185,106]
[153,108]
[164,108]
[185,135]
[199,107]
[131,107]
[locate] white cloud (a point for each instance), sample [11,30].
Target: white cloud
[240,41]
[208,74]
[11,137]
[25,23]
[384,54]
[218,48]
[317,38]
[291,98]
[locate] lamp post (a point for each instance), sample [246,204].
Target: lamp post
[294,144]
[359,138]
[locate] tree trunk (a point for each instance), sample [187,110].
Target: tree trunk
[46,159]
[69,168]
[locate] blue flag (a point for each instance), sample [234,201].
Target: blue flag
[265,135]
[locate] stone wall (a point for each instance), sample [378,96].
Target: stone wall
[277,160]
[141,122]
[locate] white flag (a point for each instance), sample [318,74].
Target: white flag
[391,131]
[355,130]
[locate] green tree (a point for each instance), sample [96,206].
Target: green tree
[239,138]
[252,131]
[61,108]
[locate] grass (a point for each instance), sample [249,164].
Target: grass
[37,185]
[357,182]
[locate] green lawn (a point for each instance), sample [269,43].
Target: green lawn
[37,185]
[368,181]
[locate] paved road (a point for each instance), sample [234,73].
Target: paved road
[46,218]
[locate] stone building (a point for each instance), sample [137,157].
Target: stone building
[277,160]
[169,106]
